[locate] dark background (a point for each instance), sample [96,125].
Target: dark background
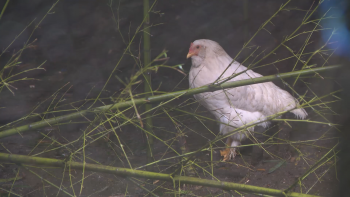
[80,42]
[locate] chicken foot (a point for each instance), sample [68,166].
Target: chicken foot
[230,152]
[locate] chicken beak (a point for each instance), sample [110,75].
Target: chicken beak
[189,55]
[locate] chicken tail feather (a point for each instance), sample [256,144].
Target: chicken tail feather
[300,113]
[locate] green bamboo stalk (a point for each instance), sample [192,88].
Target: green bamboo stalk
[147,76]
[4,8]
[311,169]
[125,172]
[162,97]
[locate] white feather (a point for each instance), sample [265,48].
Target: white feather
[238,106]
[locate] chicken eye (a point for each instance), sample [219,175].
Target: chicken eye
[197,47]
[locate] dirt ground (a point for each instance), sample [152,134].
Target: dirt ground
[322,182]
[81,45]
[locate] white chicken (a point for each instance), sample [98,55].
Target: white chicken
[240,106]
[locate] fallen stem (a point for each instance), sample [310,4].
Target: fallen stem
[125,172]
[162,97]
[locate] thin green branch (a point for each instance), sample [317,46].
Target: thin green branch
[125,172]
[158,98]
[311,169]
[4,8]
[147,76]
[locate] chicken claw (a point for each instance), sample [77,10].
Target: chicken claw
[228,154]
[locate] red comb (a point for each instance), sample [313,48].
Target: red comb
[191,46]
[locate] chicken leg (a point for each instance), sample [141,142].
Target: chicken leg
[230,152]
